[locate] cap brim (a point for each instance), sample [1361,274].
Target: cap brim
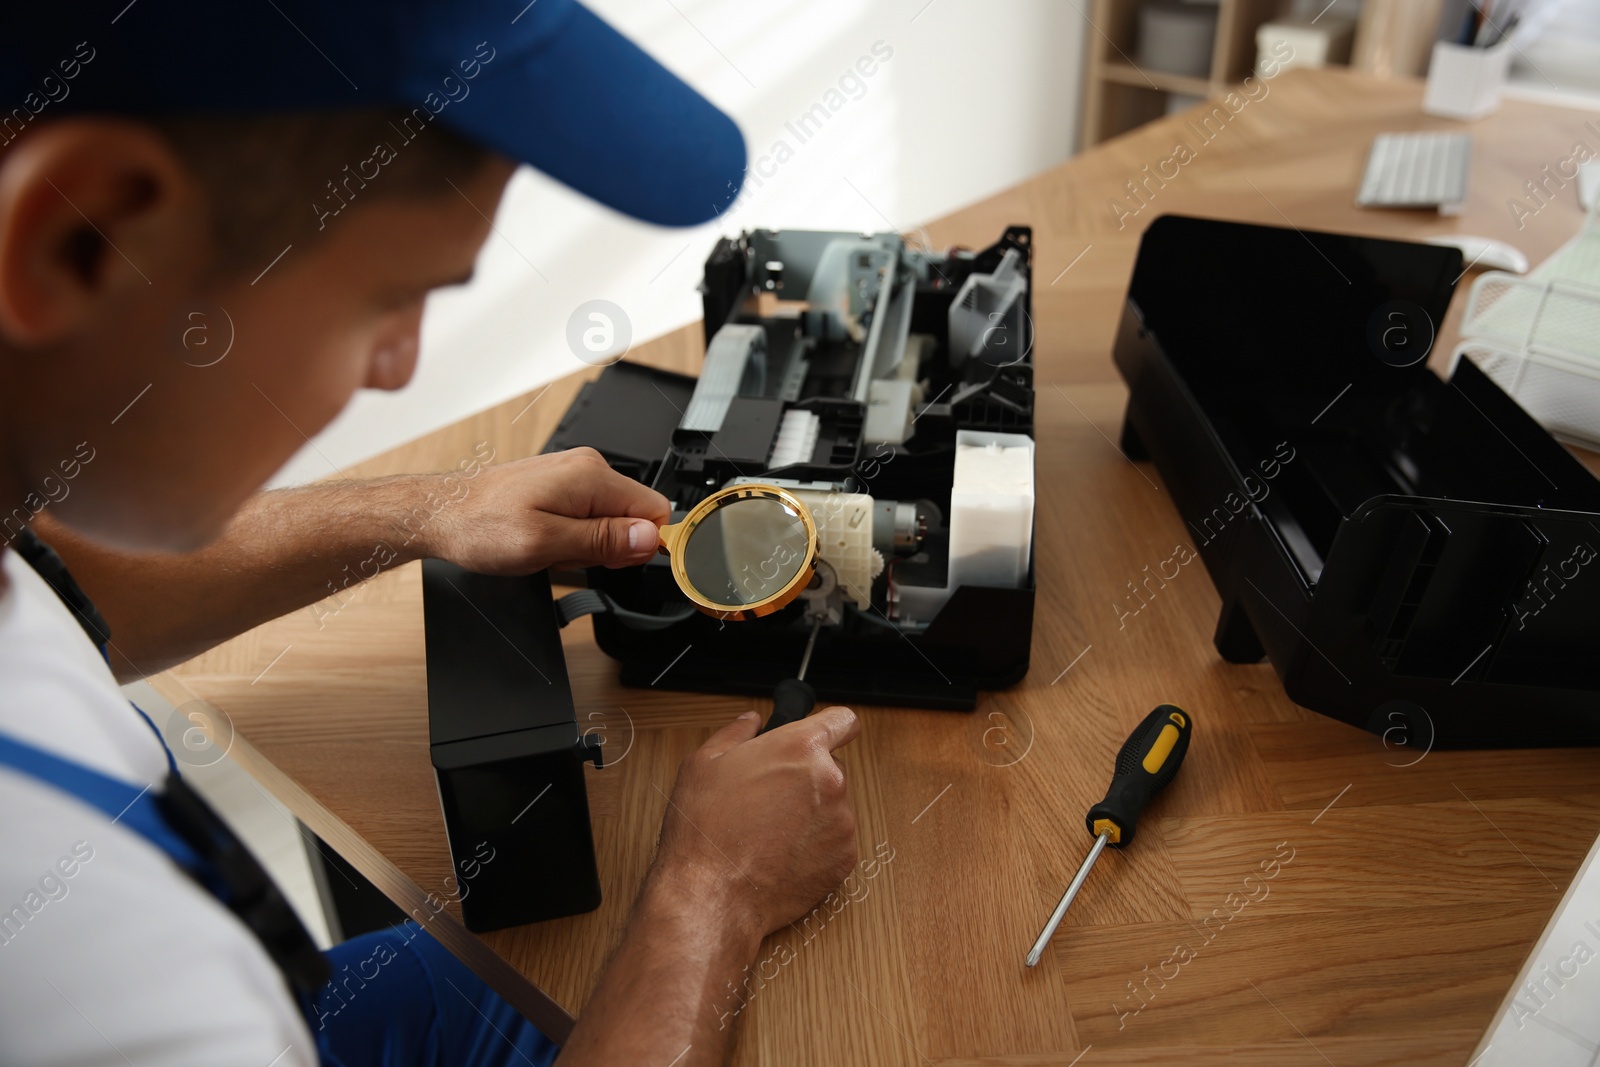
[588,107]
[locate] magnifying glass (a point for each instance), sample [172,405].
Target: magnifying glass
[744,551]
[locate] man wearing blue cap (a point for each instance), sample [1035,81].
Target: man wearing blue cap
[312,171]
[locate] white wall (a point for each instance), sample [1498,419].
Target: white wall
[974,98]
[1557,54]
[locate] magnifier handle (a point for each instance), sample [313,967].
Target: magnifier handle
[792,700]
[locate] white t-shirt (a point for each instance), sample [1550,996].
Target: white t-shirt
[125,959]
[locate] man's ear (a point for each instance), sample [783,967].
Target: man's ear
[90,209]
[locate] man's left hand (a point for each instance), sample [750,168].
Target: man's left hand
[565,509]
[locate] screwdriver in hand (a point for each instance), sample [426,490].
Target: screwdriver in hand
[793,698]
[1148,762]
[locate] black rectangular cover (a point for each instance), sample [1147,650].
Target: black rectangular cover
[506,749]
[1413,555]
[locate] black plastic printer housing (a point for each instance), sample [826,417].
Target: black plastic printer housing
[506,749]
[1413,555]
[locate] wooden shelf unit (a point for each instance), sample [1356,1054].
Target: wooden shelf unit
[1120,95]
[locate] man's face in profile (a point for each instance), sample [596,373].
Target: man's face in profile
[193,385]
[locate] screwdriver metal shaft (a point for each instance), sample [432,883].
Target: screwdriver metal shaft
[811,643]
[1066,898]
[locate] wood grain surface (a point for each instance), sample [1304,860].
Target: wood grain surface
[1404,892]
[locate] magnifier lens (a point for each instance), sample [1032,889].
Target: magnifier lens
[746,551]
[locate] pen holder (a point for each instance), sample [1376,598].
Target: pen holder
[1464,82]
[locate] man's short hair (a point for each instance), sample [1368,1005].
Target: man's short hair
[279,179]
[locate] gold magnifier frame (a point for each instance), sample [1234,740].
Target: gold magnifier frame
[675,539]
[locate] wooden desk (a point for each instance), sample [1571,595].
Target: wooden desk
[1413,892]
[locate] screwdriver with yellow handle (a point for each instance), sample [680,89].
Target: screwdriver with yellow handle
[1148,762]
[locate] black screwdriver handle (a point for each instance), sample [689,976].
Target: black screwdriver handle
[1148,762]
[792,700]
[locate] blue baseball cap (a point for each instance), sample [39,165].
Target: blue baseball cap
[545,82]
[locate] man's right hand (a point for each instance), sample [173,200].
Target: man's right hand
[759,824]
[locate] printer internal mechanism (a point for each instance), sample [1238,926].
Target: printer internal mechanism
[889,389]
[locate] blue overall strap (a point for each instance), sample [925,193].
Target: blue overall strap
[179,822]
[176,820]
[161,819]
[122,802]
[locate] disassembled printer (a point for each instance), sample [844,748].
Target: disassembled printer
[891,390]
[888,387]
